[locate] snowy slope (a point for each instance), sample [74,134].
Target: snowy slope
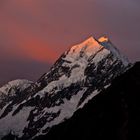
[104,41]
[106,116]
[78,75]
[21,84]
[9,91]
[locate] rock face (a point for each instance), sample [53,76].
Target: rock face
[81,73]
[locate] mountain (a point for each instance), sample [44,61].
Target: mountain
[10,90]
[114,114]
[81,73]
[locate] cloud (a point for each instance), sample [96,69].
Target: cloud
[40,30]
[16,40]
[16,69]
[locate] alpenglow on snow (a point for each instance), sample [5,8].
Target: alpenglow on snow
[77,76]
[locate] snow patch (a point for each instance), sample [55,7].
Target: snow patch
[67,110]
[22,84]
[15,124]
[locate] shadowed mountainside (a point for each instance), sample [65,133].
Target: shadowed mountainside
[106,116]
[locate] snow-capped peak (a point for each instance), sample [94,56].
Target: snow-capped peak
[87,46]
[91,46]
[85,49]
[78,75]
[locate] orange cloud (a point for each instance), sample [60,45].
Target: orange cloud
[26,25]
[27,45]
[38,50]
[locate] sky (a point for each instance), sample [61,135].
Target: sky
[34,33]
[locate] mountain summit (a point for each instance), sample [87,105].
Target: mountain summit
[81,73]
[91,46]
